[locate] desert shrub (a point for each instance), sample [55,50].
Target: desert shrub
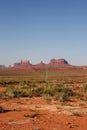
[68,91]
[2,95]
[59,88]
[3,83]
[61,97]
[34,85]
[59,92]
[85,87]
[7,83]
[1,109]
[65,94]
[19,93]
[13,92]
[29,85]
[10,92]
[25,82]
[76,114]
[35,92]
[42,81]
[28,93]
[12,82]
[38,91]
[49,91]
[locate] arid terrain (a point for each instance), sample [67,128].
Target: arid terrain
[54,99]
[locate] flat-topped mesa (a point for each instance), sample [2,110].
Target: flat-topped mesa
[58,63]
[25,63]
[62,61]
[53,63]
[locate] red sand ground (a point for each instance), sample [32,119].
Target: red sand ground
[49,116]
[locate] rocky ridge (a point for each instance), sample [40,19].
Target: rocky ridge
[53,63]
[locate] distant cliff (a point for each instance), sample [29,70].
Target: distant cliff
[2,66]
[53,63]
[25,63]
[58,63]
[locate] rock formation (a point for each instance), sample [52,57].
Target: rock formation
[52,63]
[58,63]
[25,63]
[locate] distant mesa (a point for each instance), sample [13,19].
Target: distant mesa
[58,62]
[25,63]
[52,63]
[2,66]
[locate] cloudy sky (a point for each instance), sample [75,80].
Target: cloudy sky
[43,29]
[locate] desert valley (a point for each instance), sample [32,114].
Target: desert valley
[49,96]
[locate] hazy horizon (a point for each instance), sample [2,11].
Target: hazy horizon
[40,30]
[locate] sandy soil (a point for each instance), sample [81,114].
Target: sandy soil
[39,114]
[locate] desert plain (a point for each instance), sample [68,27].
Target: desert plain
[52,99]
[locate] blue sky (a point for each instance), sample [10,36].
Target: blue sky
[43,29]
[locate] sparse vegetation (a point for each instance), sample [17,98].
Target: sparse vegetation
[12,92]
[77,114]
[62,91]
[53,89]
[85,87]
[59,92]
[31,89]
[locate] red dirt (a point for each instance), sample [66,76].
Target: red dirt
[53,116]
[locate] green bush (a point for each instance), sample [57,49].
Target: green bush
[42,81]
[49,91]
[61,97]
[6,83]
[13,92]
[59,92]
[35,92]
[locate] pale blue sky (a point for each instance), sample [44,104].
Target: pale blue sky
[43,29]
